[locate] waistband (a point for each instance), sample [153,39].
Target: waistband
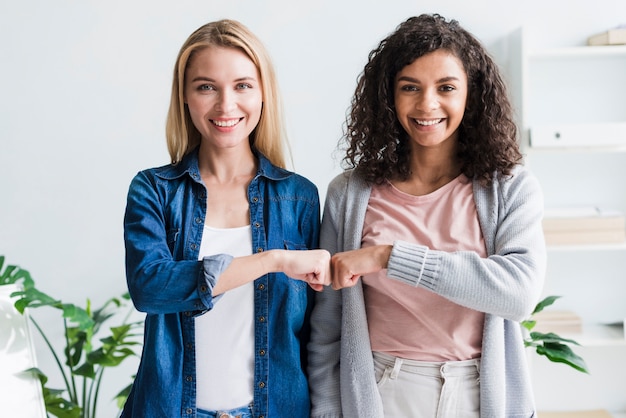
[432,368]
[241,412]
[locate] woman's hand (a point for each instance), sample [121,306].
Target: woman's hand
[348,266]
[311,266]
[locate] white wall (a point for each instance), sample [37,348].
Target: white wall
[84,89]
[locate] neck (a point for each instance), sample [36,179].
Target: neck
[226,165]
[430,170]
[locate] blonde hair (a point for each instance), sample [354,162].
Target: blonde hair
[269,136]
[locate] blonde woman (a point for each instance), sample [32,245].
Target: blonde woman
[210,244]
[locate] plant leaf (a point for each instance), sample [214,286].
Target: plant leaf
[86,369]
[53,400]
[33,298]
[561,353]
[78,316]
[121,397]
[529,324]
[547,301]
[14,274]
[550,337]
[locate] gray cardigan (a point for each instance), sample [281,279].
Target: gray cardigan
[506,286]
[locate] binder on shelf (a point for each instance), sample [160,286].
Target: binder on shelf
[578,135]
[583,225]
[616,36]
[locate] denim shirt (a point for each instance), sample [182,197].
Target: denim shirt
[163,226]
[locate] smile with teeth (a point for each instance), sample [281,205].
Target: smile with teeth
[429,122]
[225,123]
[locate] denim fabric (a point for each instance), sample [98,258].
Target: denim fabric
[163,226]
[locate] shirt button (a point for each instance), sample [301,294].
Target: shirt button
[262,352]
[257,225]
[255,199]
[259,250]
[203,288]
[189,378]
[198,221]
[261,286]
[262,385]
[189,411]
[262,319]
[194,246]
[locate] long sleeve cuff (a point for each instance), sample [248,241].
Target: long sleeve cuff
[212,268]
[412,264]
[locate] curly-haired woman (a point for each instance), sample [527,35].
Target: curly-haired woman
[435,231]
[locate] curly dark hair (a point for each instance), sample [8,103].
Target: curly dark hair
[379,146]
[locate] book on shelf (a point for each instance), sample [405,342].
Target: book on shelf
[558,321]
[583,225]
[615,36]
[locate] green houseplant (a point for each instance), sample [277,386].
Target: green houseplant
[551,345]
[81,362]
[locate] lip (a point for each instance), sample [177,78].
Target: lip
[427,122]
[225,123]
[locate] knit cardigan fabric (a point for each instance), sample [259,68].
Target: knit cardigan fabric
[506,286]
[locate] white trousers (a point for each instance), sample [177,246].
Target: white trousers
[422,389]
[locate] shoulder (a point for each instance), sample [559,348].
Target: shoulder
[518,192]
[520,183]
[301,185]
[347,182]
[521,179]
[288,184]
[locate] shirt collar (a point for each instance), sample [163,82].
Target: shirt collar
[189,165]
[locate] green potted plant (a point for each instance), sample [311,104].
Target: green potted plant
[81,362]
[551,345]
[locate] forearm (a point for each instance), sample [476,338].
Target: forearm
[311,266]
[246,269]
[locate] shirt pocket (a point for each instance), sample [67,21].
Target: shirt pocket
[297,285]
[290,245]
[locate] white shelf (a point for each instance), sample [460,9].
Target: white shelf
[572,102]
[578,51]
[576,149]
[588,247]
[598,335]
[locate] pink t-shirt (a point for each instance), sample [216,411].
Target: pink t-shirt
[412,322]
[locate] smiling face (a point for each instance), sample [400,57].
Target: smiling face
[224,96]
[430,96]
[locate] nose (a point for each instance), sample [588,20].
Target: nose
[226,101]
[428,100]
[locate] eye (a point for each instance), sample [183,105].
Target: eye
[244,86]
[409,87]
[447,88]
[205,87]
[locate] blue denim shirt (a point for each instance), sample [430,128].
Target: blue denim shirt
[163,226]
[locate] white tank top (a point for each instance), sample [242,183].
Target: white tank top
[225,334]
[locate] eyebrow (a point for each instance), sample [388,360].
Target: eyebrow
[237,80]
[441,80]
